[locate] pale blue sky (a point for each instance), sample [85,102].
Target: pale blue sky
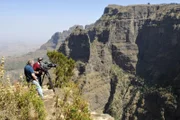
[37,20]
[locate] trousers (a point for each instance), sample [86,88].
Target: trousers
[38,88]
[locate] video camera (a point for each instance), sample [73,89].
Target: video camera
[45,66]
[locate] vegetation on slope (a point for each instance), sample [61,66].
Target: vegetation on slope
[65,67]
[19,102]
[71,105]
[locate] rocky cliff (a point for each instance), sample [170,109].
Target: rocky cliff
[129,61]
[57,39]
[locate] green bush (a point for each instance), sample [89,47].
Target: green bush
[64,69]
[71,106]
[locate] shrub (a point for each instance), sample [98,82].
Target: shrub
[71,106]
[64,69]
[2,68]
[19,102]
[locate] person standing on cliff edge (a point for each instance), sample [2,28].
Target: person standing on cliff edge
[31,77]
[37,69]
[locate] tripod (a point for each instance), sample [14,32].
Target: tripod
[49,78]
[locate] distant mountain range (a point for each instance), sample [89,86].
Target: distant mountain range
[14,64]
[16,48]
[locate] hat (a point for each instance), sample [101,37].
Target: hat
[40,59]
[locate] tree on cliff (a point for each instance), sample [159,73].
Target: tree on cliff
[65,67]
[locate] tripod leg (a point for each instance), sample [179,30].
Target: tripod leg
[43,78]
[50,81]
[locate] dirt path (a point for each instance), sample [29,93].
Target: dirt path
[49,102]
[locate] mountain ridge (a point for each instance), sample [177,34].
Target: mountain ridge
[16,48]
[128,59]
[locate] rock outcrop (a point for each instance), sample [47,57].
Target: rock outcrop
[142,40]
[57,39]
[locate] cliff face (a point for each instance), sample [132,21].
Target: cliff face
[57,39]
[159,49]
[141,40]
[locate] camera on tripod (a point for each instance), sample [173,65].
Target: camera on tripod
[45,66]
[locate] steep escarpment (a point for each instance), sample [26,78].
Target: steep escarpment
[77,46]
[141,40]
[159,49]
[57,39]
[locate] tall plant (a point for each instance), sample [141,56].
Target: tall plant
[64,69]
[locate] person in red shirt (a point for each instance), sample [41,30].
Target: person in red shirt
[38,70]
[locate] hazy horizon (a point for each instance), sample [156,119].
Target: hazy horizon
[36,21]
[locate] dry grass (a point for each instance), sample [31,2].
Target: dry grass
[18,101]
